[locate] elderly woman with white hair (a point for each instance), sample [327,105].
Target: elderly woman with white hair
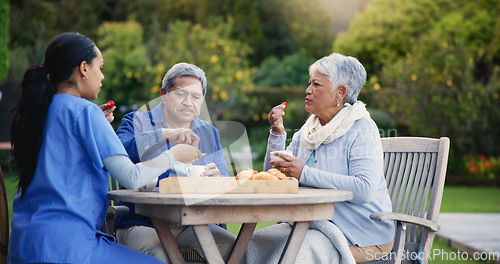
[338,147]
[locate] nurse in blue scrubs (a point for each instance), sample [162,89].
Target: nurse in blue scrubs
[64,150]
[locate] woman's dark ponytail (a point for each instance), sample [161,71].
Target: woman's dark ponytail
[28,115]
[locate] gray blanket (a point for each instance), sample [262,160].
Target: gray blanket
[323,243]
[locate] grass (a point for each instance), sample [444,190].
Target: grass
[446,253]
[458,199]
[455,199]
[10,189]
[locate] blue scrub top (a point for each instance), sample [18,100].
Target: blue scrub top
[59,217]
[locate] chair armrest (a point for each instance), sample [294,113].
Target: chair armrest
[109,223]
[382,216]
[118,209]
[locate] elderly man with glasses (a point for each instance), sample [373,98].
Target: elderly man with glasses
[175,120]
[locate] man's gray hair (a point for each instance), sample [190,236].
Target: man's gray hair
[183,69]
[342,71]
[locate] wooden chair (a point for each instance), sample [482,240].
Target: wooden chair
[4,221]
[415,170]
[113,210]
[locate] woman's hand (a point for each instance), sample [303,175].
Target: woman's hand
[275,118]
[108,112]
[180,136]
[211,170]
[291,167]
[185,153]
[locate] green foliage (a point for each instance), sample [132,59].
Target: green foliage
[126,63]
[35,20]
[269,27]
[386,124]
[459,104]
[153,13]
[85,16]
[4,26]
[32,20]
[34,23]
[250,30]
[387,29]
[289,25]
[277,81]
[292,70]
[283,27]
[434,67]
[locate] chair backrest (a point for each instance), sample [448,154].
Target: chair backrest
[415,170]
[4,221]
[113,184]
[113,209]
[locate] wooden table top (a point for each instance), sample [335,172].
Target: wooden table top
[304,196]
[199,210]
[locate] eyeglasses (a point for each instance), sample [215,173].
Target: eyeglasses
[183,94]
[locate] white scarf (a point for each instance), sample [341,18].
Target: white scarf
[315,134]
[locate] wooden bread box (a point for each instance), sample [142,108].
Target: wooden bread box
[226,185]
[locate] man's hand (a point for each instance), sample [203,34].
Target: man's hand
[211,170]
[180,136]
[185,153]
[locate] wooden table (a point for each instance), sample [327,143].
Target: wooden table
[199,210]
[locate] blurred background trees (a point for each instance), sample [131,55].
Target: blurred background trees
[433,65]
[4,26]
[434,68]
[126,64]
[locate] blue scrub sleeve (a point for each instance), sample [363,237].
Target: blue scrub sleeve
[97,135]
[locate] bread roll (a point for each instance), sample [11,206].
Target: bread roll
[280,175]
[265,176]
[246,174]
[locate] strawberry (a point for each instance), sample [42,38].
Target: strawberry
[110,104]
